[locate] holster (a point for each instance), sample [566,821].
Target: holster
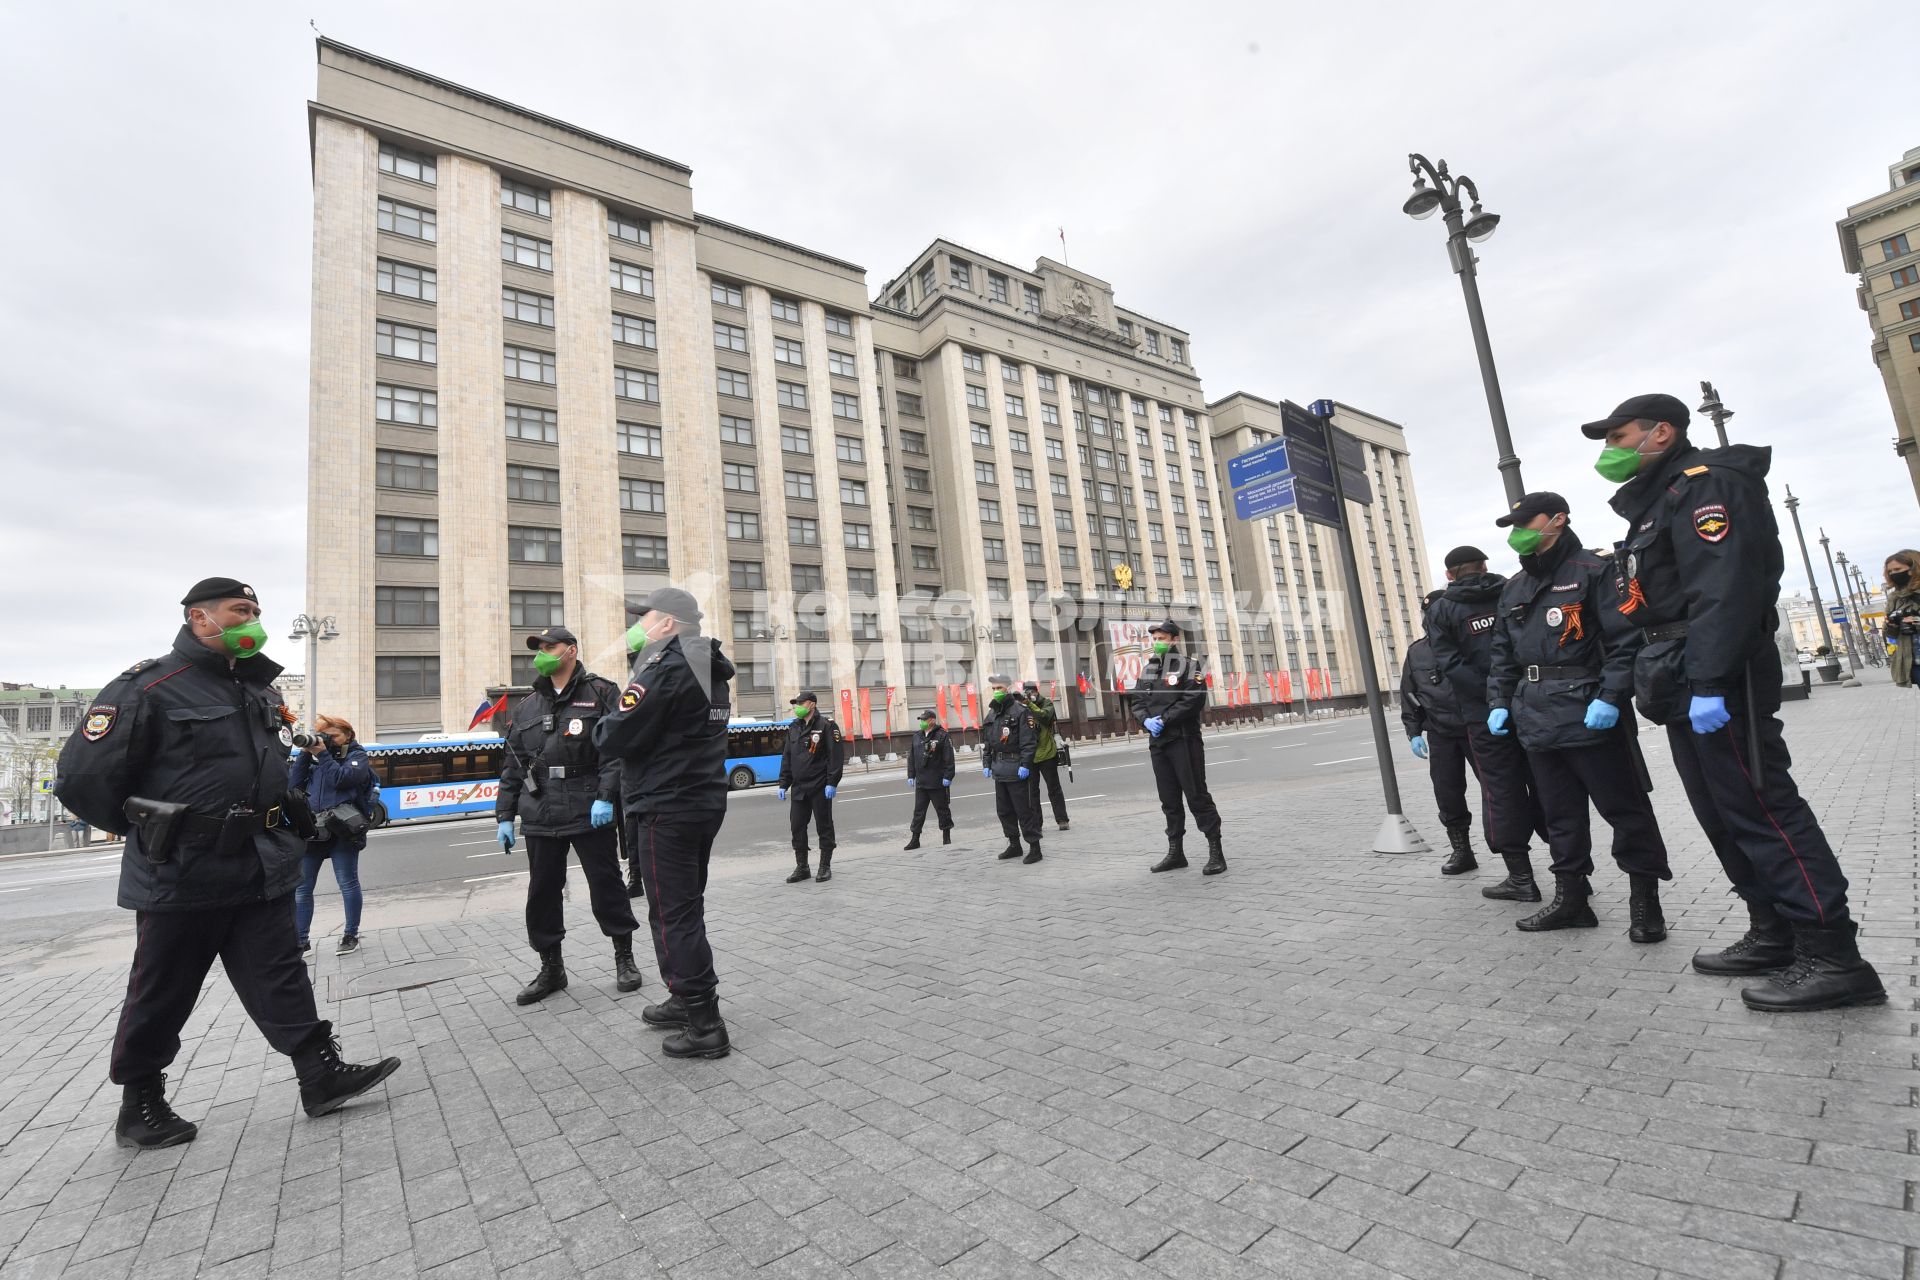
[159,824]
[299,814]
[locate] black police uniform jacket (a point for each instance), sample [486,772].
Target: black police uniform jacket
[1460,626]
[191,728]
[1173,687]
[814,756]
[1428,703]
[669,730]
[930,759]
[1703,556]
[1553,615]
[552,734]
[1009,736]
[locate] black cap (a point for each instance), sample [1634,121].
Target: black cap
[999,679]
[1654,408]
[552,635]
[1033,686]
[807,695]
[926,713]
[1534,504]
[1168,627]
[219,589]
[1434,595]
[668,600]
[1465,555]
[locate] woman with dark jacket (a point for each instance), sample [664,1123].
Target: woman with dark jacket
[333,772]
[1903,613]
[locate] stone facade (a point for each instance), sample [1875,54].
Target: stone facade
[1880,243]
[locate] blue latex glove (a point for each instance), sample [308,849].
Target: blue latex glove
[986,773]
[1602,715]
[829,792]
[506,835]
[1709,715]
[1023,773]
[911,784]
[783,793]
[1497,722]
[1419,745]
[1153,725]
[946,782]
[601,814]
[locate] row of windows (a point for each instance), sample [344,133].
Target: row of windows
[729,294]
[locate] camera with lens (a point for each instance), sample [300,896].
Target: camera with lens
[1903,621]
[305,740]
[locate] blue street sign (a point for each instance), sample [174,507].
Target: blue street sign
[1269,459]
[1838,615]
[1317,503]
[1321,408]
[1310,463]
[1263,499]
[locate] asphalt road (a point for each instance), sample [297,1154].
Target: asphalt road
[871,806]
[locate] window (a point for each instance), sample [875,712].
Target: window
[865,626]
[739,477]
[735,430]
[1160,568]
[643,551]
[1156,532]
[1055,450]
[402,163]
[976,397]
[534,608]
[809,578]
[989,511]
[913,442]
[1111,526]
[744,525]
[920,518]
[858,537]
[846,406]
[910,404]
[1049,415]
[799,484]
[841,365]
[639,439]
[1179,350]
[406,606]
[729,337]
[1213,571]
[648,497]
[785,350]
[1193,448]
[627,277]
[1206,539]
[1031,296]
[853,493]
[526,198]
[926,281]
[803,531]
[412,406]
[526,307]
[1167,442]
[395,470]
[1181,536]
[1069,557]
[1103,458]
[1153,342]
[632,230]
[1057,484]
[994,550]
[796,440]
[973,362]
[408,220]
[849,449]
[731,382]
[1016,406]
[1173,473]
[983,473]
[532,484]
[790,395]
[1179,505]
[1029,516]
[634,384]
[1186,567]
[404,536]
[905,368]
[959,273]
[1910,310]
[916,480]
[1096,396]
[405,342]
[839,324]
[785,309]
[542,426]
[405,280]
[1109,493]
[1913,341]
[746,575]
[1063,520]
[529,251]
[1023,478]
[635,331]
[1032,555]
[727,295]
[925,558]
[996,286]
[529,365]
[1126,328]
[1203,508]
[1146,468]
[416,677]
[1892,248]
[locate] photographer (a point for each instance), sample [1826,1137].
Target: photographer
[340,785]
[1903,612]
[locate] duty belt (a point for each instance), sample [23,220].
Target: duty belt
[1665,631]
[248,821]
[1537,674]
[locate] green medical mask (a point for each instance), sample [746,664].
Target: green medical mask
[1161,648]
[1525,541]
[547,663]
[801,710]
[926,724]
[245,640]
[999,695]
[1619,463]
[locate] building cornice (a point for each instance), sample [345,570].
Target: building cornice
[920,319]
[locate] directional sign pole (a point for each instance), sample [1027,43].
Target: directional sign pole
[1396,834]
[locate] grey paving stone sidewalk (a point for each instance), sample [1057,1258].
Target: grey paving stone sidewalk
[1324,1064]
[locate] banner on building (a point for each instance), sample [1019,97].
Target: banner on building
[846,710]
[866,713]
[1130,647]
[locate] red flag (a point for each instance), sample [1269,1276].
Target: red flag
[486,711]
[1209,679]
[1053,690]
[1285,681]
[1313,682]
[940,701]
[1246,694]
[846,709]
[1085,688]
[866,715]
[973,706]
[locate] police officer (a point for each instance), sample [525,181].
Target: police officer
[1697,580]
[564,792]
[186,756]
[1557,680]
[1460,626]
[1169,698]
[930,764]
[669,733]
[1009,737]
[810,768]
[1430,713]
[1046,757]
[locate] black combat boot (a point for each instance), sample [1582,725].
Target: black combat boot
[912,843]
[704,1036]
[671,1012]
[146,1120]
[551,978]
[1216,858]
[326,1082]
[800,869]
[1827,973]
[1012,850]
[1649,924]
[1176,858]
[1766,947]
[1033,852]
[946,835]
[826,866]
[1061,825]
[1568,910]
[634,888]
[1519,886]
[626,974]
[1461,859]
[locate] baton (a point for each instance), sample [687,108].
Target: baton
[1754,769]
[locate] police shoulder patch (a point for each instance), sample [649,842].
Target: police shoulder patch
[99,722]
[631,697]
[1711,522]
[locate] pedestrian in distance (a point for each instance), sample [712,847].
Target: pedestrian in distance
[810,767]
[1430,713]
[1169,700]
[669,733]
[566,793]
[1697,580]
[1046,758]
[1903,613]
[185,756]
[1009,737]
[1561,685]
[333,772]
[930,766]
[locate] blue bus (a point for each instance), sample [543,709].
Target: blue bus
[461,773]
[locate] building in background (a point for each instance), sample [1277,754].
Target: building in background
[34,724]
[1880,243]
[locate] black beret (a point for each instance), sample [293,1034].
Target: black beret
[219,589]
[1465,555]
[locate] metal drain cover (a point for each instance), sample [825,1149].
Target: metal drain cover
[405,977]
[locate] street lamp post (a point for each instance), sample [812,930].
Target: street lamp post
[1711,406]
[1475,225]
[1846,624]
[771,636]
[1830,668]
[1863,604]
[313,630]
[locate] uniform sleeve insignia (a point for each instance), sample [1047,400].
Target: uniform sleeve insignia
[1711,522]
[99,722]
[631,698]
[1697,471]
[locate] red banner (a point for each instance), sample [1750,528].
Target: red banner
[940,701]
[1053,690]
[1085,688]
[866,714]
[1285,680]
[1313,683]
[846,709]
[973,706]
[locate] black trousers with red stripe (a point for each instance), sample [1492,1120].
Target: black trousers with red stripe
[173,951]
[1447,763]
[1509,811]
[674,851]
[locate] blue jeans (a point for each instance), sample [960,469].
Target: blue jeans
[346,874]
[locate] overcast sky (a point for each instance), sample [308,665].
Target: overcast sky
[1669,177]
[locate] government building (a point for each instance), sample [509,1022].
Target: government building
[542,384]
[1880,246]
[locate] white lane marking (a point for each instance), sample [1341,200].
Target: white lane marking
[466,843]
[505,875]
[74,879]
[497,853]
[1349,760]
[1287,746]
[56,853]
[1318,732]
